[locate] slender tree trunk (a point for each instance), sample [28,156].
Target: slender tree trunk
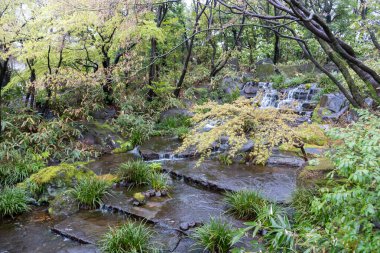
[199,10]
[355,92]
[276,55]
[374,38]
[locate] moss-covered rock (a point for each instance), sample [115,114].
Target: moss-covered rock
[50,181]
[124,147]
[316,169]
[312,134]
[63,205]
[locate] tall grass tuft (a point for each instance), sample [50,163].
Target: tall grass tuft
[244,204]
[90,191]
[13,201]
[130,237]
[137,172]
[159,181]
[217,236]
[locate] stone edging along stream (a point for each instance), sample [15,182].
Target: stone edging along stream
[190,180]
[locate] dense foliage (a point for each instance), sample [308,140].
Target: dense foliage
[82,78]
[344,215]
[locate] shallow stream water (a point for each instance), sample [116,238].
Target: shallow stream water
[191,200]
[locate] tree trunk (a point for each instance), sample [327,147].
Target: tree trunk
[374,38]
[359,101]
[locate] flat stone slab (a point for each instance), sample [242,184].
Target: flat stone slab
[275,183]
[30,233]
[184,204]
[90,226]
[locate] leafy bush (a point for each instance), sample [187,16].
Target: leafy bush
[294,81]
[244,204]
[130,237]
[327,85]
[217,236]
[277,80]
[225,159]
[267,212]
[176,125]
[347,213]
[301,201]
[342,216]
[280,236]
[159,181]
[135,127]
[23,133]
[137,172]
[155,167]
[19,167]
[241,121]
[12,201]
[90,191]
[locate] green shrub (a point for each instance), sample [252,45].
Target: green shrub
[135,127]
[327,85]
[244,204]
[281,236]
[347,213]
[12,201]
[301,202]
[225,159]
[294,81]
[217,236]
[267,212]
[136,172]
[277,80]
[159,181]
[175,125]
[130,237]
[155,166]
[90,191]
[13,172]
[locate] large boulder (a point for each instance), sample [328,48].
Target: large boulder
[101,136]
[175,112]
[334,102]
[230,85]
[63,205]
[264,69]
[51,181]
[331,107]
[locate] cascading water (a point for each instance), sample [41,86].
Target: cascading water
[299,98]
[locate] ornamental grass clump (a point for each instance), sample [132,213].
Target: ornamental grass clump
[244,204]
[13,201]
[89,192]
[159,181]
[130,237]
[136,172]
[217,236]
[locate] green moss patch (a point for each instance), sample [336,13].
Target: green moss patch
[124,147]
[56,178]
[316,169]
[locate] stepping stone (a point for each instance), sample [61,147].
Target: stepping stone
[276,183]
[184,204]
[89,227]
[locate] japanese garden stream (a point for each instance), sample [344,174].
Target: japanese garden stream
[196,195]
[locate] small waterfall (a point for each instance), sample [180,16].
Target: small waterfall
[299,98]
[270,96]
